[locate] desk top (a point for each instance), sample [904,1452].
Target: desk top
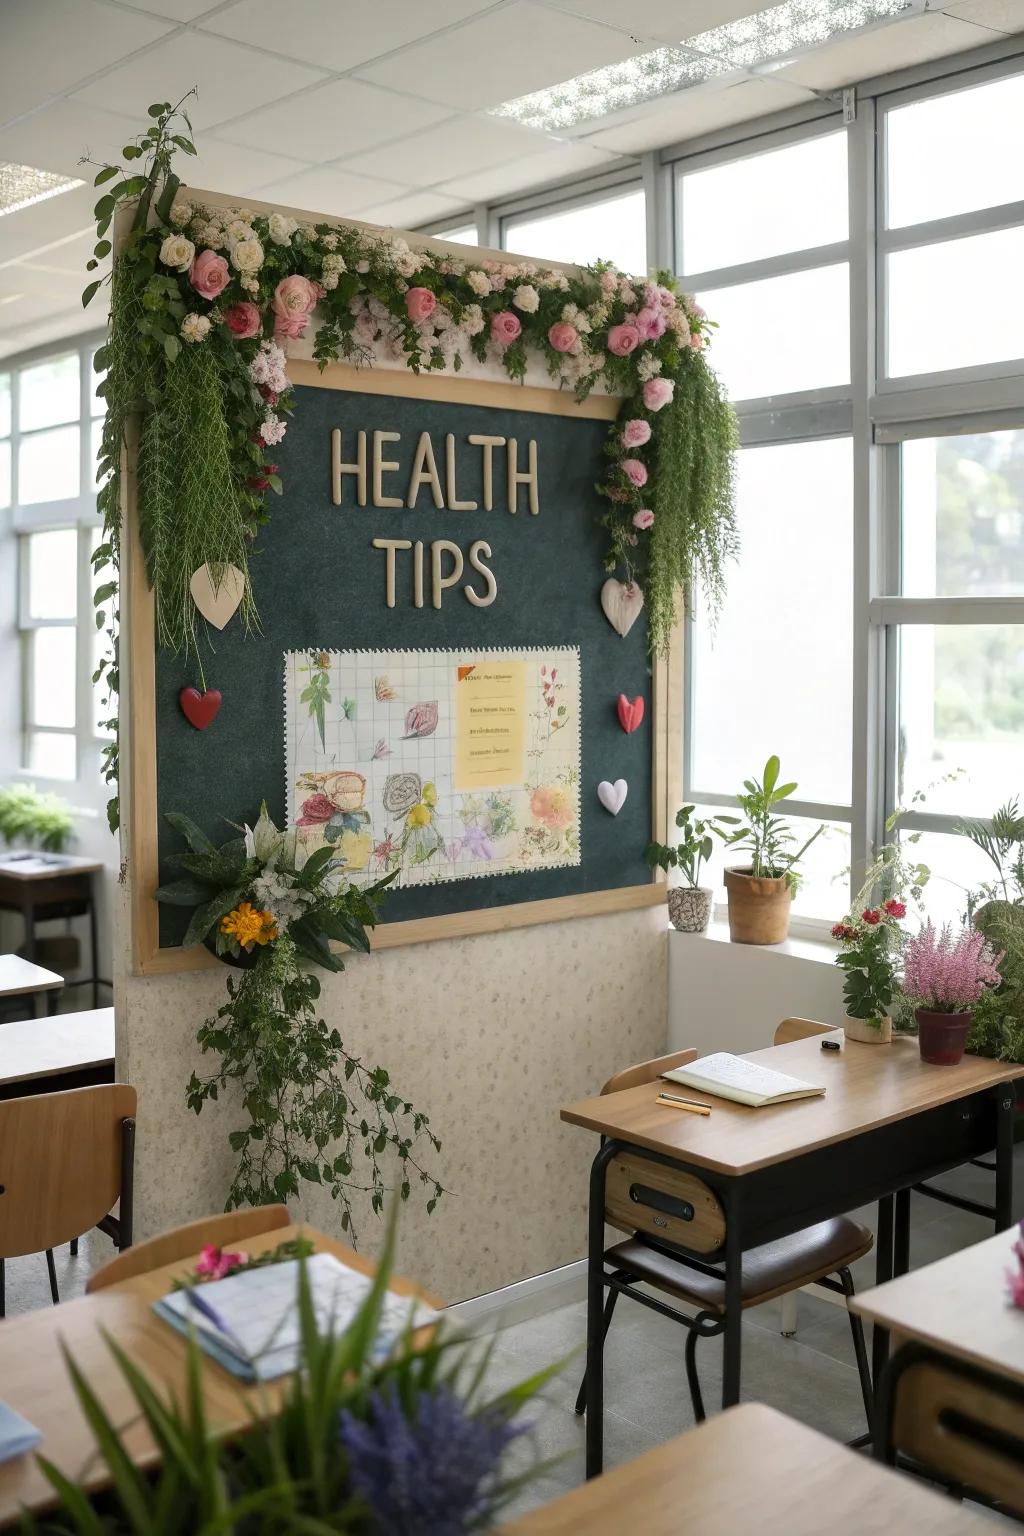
[64,1042]
[18,975]
[28,865]
[959,1304]
[35,1380]
[865,1086]
[751,1469]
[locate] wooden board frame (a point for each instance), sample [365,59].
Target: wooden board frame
[141,822]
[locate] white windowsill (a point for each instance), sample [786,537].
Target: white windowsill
[821,951]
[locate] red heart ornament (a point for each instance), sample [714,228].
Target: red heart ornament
[631,712]
[199,709]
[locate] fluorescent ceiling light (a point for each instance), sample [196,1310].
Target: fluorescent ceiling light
[23,185]
[754,44]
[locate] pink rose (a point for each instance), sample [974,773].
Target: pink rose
[658,392]
[635,471]
[696,341]
[294,299]
[643,519]
[563,336]
[244,319]
[650,323]
[623,339]
[315,810]
[420,304]
[636,432]
[209,274]
[505,327]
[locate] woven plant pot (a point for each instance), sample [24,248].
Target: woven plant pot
[689,908]
[758,909]
[864,1031]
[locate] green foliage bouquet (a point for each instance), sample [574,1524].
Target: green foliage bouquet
[872,946]
[30,816]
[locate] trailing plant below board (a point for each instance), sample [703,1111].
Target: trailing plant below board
[28,815]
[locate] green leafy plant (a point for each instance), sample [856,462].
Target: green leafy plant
[690,853]
[761,833]
[1001,839]
[324,1458]
[313,1110]
[27,815]
[872,946]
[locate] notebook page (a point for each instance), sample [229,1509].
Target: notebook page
[737,1072]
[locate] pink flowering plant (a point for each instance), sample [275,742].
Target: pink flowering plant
[1015,1276]
[948,972]
[216,1263]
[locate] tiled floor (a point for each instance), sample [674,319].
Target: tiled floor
[812,1377]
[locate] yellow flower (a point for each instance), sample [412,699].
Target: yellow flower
[247,926]
[419,816]
[430,794]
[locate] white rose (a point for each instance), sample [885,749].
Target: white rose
[479,282]
[472,321]
[180,213]
[281,228]
[177,252]
[195,328]
[239,229]
[247,256]
[526,298]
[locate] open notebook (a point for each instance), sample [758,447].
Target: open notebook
[746,1082]
[249,1322]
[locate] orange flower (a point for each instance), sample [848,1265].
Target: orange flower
[247,926]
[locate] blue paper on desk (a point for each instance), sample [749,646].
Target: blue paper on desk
[249,1322]
[17,1435]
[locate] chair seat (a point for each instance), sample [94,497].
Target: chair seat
[771,1270]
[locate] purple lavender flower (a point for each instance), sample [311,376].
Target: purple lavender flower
[429,1472]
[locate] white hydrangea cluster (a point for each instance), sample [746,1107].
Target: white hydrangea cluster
[333,267]
[195,328]
[267,368]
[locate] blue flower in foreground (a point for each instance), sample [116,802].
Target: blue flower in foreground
[428,1473]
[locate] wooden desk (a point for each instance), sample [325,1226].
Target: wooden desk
[68,1050]
[751,1470]
[42,886]
[958,1357]
[20,978]
[887,1121]
[35,1380]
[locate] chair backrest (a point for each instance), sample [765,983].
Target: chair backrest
[648,1071]
[60,1164]
[800,1029]
[222,1231]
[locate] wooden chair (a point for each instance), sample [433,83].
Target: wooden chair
[676,1243]
[66,1159]
[800,1029]
[223,1231]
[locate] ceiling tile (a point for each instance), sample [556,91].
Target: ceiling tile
[411,209]
[882,50]
[34,228]
[522,175]
[504,54]
[228,77]
[36,322]
[57,138]
[328,190]
[1003,15]
[338,36]
[339,119]
[688,114]
[460,145]
[231,168]
[178,10]
[50,45]
[661,23]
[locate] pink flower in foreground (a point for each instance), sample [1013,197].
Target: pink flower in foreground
[209,274]
[696,341]
[658,392]
[635,471]
[244,320]
[1015,1277]
[420,304]
[948,973]
[623,339]
[563,336]
[643,519]
[505,327]
[294,300]
[214,1263]
[636,432]
[650,322]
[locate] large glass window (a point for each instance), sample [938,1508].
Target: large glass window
[610,228]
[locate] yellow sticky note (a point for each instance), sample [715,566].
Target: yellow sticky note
[490,725]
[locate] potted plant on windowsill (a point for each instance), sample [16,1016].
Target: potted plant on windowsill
[944,975]
[689,904]
[761,891]
[869,958]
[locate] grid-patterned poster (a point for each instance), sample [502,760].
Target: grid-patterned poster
[441,764]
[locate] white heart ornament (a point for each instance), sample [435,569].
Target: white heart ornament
[613,796]
[622,602]
[217,601]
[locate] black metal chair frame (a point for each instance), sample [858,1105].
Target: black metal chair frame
[118,1228]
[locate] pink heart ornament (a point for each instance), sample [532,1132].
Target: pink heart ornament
[613,796]
[631,712]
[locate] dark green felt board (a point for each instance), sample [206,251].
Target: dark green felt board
[318,582]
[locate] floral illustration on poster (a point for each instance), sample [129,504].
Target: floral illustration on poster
[440,764]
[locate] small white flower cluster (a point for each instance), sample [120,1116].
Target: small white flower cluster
[180,214]
[401,257]
[268,368]
[281,228]
[278,892]
[333,267]
[195,328]
[273,429]
[648,367]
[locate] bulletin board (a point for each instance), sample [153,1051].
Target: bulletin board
[322,589]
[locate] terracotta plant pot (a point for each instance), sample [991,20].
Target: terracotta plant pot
[941,1037]
[864,1031]
[758,909]
[689,908]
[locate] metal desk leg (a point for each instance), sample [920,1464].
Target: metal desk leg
[1005,1110]
[733,1302]
[883,1272]
[595,1311]
[901,1235]
[53,999]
